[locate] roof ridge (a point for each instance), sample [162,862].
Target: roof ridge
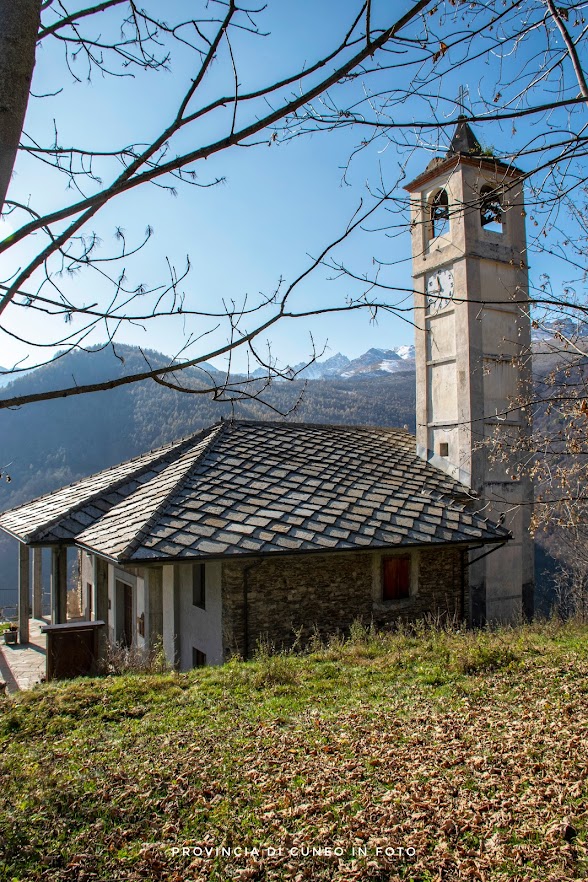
[172,447]
[117,465]
[216,430]
[342,426]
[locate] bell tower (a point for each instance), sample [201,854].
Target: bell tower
[473,367]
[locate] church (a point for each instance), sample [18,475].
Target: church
[272,532]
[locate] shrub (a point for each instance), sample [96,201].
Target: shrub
[273,668]
[482,652]
[126,660]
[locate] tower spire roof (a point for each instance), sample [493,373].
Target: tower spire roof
[464,140]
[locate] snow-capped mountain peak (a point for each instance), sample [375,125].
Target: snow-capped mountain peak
[373,363]
[405,351]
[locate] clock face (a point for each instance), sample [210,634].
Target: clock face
[440,289]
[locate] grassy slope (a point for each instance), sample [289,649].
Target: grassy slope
[471,749]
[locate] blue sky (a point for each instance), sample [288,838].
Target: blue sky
[277,208]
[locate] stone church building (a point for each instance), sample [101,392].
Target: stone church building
[261,531]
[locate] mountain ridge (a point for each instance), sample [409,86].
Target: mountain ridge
[375,362]
[372,363]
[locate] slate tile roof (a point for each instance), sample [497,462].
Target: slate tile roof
[65,513]
[259,487]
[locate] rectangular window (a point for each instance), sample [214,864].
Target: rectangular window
[396,577]
[198,658]
[89,601]
[199,585]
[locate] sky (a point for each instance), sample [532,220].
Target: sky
[277,207]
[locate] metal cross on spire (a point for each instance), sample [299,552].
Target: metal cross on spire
[461,96]
[464,141]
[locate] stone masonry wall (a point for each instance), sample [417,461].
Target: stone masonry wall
[288,593]
[440,588]
[296,595]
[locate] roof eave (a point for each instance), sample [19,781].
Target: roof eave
[13,535]
[30,540]
[474,542]
[453,160]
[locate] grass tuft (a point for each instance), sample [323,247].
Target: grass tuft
[482,651]
[273,668]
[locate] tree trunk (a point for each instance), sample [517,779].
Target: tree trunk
[19,25]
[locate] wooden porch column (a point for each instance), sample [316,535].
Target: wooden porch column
[58,585]
[101,589]
[153,607]
[101,593]
[37,583]
[24,585]
[169,614]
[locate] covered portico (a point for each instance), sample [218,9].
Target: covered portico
[30,586]
[55,521]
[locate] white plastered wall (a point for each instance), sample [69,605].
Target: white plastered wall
[111,605]
[140,604]
[169,618]
[200,628]
[88,578]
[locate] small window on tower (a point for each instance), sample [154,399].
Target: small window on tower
[439,213]
[491,213]
[396,577]
[198,658]
[443,448]
[199,585]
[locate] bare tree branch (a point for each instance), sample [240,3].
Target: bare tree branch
[556,14]
[75,17]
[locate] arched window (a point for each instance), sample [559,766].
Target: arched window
[439,213]
[491,213]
